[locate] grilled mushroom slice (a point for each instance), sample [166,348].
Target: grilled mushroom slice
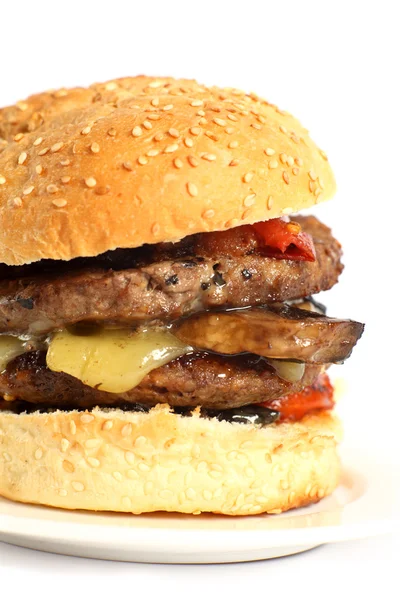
[278,331]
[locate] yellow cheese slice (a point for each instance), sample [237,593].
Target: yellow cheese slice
[113,360]
[10,347]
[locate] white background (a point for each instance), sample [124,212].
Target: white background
[335,66]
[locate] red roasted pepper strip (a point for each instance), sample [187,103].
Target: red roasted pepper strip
[286,240]
[315,397]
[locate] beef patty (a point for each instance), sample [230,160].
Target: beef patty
[165,281]
[209,380]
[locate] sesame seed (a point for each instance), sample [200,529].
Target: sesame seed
[56,147]
[142,160]
[196,103]
[158,137]
[171,148]
[269,151]
[90,182]
[155,84]
[324,156]
[143,467]
[22,158]
[317,191]
[22,106]
[112,132]
[60,93]
[168,107]
[155,229]
[28,190]
[212,136]
[295,171]
[72,427]
[93,462]
[270,202]
[62,492]
[39,169]
[232,117]
[178,163]
[283,158]
[65,179]
[195,130]
[283,129]
[290,161]
[155,102]
[203,121]
[153,117]
[192,189]
[110,86]
[86,130]
[229,130]
[59,202]
[78,486]
[201,113]
[298,161]
[137,131]
[64,444]
[51,188]
[188,142]
[152,152]
[208,156]
[248,177]
[17,201]
[312,175]
[256,126]
[107,425]
[126,430]
[38,141]
[249,200]
[192,160]
[147,125]
[95,148]
[273,164]
[233,144]
[285,177]
[65,162]
[220,122]
[18,137]
[2,180]
[86,418]
[43,151]
[234,163]
[208,214]
[261,119]
[173,132]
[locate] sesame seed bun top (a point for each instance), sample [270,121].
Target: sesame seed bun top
[145,160]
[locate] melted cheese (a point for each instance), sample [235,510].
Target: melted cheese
[10,347]
[287,370]
[113,360]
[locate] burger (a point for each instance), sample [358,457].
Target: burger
[161,348]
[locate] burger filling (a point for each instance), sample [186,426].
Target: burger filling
[223,321]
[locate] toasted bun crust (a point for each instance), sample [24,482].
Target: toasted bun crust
[136,462]
[144,160]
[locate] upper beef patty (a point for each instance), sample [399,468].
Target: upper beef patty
[164,281]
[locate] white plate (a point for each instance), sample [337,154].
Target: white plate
[366,503]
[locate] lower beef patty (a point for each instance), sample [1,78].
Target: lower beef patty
[163,281]
[204,379]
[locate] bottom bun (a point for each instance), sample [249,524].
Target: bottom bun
[160,461]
